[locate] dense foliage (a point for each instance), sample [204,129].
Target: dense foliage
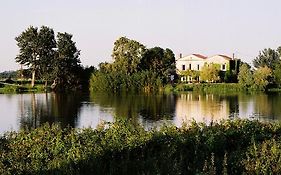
[135,67]
[267,72]
[258,79]
[230,147]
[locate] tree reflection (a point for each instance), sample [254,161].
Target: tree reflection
[36,109]
[147,106]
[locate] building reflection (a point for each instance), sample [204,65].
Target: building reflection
[205,107]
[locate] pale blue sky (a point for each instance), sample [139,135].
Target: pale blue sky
[209,27]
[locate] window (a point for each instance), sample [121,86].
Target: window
[198,66]
[223,67]
[183,67]
[189,66]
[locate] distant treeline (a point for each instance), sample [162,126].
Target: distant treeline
[8,74]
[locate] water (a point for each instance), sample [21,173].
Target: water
[84,110]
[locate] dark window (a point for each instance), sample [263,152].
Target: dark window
[198,67]
[189,66]
[183,67]
[223,67]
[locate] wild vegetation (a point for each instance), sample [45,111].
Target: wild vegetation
[122,147]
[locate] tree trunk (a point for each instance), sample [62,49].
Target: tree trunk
[33,78]
[46,84]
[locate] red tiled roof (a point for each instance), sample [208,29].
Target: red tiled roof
[200,56]
[226,57]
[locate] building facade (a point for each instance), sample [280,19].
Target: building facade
[189,67]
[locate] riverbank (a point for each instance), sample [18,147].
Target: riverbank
[17,86]
[12,89]
[231,147]
[213,88]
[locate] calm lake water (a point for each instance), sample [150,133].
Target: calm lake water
[84,110]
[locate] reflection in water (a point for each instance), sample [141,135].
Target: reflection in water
[201,108]
[148,108]
[263,106]
[36,109]
[83,110]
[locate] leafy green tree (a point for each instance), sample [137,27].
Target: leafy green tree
[268,57]
[210,73]
[47,53]
[127,55]
[67,66]
[245,76]
[35,48]
[279,51]
[105,67]
[159,61]
[277,74]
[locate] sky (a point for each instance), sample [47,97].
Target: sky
[208,27]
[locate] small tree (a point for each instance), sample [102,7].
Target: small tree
[245,76]
[210,73]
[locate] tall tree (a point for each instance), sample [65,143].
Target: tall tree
[67,66]
[268,57]
[35,48]
[127,55]
[46,53]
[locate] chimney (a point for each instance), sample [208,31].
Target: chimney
[233,56]
[180,55]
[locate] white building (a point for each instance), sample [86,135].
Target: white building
[223,60]
[195,62]
[190,62]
